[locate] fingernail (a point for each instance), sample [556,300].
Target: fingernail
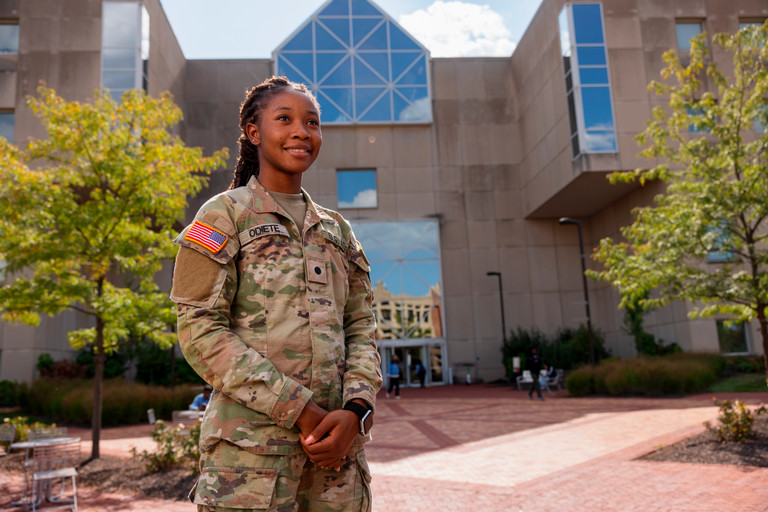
[310,439]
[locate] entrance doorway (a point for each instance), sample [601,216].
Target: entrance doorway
[430,356]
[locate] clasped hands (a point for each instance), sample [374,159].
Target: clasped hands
[326,437]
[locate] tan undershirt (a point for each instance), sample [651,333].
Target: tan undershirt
[294,205]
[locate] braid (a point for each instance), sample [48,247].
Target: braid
[255,100]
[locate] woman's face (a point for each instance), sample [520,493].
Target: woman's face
[288,136]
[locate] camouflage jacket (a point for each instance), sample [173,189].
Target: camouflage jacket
[271,319]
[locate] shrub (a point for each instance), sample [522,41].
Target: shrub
[735,421]
[9,393]
[580,383]
[176,446]
[123,402]
[649,376]
[23,425]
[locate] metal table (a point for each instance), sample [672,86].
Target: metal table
[30,445]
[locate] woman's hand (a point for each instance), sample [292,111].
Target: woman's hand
[328,444]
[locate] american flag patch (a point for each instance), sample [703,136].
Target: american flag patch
[206,236]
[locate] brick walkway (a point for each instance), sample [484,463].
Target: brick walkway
[486,448]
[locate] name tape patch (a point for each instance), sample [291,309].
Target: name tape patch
[206,236]
[262,230]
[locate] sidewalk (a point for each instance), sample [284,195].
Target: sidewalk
[486,448]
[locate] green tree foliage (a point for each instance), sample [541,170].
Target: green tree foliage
[87,216]
[714,164]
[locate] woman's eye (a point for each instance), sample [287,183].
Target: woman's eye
[314,122]
[282,118]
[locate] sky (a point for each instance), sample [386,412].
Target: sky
[250,29]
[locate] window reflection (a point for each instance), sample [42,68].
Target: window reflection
[405,272]
[125,47]
[6,125]
[732,337]
[588,90]
[341,52]
[685,32]
[9,38]
[356,189]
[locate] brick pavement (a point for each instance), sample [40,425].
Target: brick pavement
[486,448]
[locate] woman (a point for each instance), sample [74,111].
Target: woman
[274,311]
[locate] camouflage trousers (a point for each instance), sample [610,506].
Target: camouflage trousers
[234,480]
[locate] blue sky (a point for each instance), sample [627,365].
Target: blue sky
[240,29]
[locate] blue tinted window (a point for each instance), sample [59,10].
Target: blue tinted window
[6,125]
[124,47]
[686,31]
[590,55]
[593,75]
[761,119]
[588,23]
[357,189]
[9,38]
[347,53]
[588,92]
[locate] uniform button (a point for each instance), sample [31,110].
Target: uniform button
[318,270]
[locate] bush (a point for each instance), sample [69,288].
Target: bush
[123,402]
[735,421]
[9,393]
[23,425]
[153,366]
[176,446]
[648,376]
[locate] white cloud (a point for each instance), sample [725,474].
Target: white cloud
[364,199]
[459,29]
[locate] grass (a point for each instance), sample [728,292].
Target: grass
[740,383]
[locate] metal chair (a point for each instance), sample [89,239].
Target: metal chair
[55,462]
[7,434]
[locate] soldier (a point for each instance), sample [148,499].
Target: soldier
[274,311]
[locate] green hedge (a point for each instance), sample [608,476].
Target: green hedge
[648,376]
[71,401]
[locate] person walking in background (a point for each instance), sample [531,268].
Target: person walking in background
[421,371]
[393,372]
[533,363]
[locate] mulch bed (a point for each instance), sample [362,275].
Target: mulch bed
[704,449]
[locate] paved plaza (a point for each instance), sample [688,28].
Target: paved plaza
[488,448]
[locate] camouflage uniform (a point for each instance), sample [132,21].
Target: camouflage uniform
[271,320]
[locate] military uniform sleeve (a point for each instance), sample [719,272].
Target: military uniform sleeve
[362,378]
[204,286]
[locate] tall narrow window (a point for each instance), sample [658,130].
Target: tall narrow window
[124,47]
[587,79]
[686,30]
[6,125]
[9,37]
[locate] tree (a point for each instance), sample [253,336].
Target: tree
[88,224]
[713,150]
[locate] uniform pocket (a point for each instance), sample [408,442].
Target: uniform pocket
[364,481]
[238,488]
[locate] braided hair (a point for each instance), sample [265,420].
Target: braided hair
[255,100]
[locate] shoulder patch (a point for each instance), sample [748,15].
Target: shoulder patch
[210,238]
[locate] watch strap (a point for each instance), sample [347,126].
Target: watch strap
[356,408]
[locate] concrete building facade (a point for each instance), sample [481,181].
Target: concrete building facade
[467,178]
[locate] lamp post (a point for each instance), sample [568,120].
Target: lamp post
[567,220]
[501,300]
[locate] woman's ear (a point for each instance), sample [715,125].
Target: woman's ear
[252,132]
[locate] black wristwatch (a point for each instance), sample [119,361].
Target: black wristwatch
[363,413]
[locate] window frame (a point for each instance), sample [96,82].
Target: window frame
[683,21]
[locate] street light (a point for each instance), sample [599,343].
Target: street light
[577,223]
[501,300]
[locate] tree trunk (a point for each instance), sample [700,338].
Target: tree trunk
[98,380]
[764,334]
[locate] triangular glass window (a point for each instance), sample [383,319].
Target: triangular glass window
[348,46]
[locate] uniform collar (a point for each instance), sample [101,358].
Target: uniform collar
[264,202]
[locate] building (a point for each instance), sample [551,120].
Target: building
[448,168]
